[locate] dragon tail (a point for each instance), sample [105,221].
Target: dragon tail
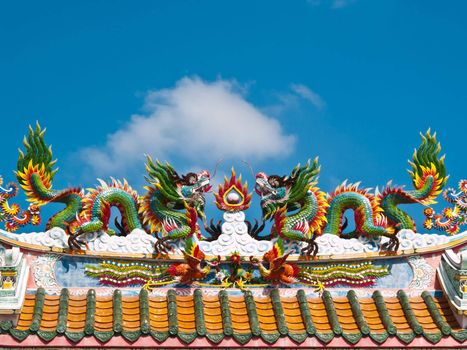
[35,172]
[35,167]
[428,170]
[428,175]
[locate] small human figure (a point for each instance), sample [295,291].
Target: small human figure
[7,283]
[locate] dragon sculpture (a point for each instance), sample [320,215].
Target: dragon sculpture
[171,207]
[173,203]
[298,195]
[301,212]
[452,217]
[11,214]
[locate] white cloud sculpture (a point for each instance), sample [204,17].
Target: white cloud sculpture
[196,120]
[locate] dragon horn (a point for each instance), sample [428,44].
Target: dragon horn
[217,165]
[249,167]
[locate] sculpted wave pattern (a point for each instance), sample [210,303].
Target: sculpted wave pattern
[235,237]
[138,241]
[330,244]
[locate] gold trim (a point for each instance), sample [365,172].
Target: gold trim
[236,190]
[8,273]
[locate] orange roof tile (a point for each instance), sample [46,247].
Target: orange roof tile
[240,316]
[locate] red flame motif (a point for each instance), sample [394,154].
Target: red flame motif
[232,195]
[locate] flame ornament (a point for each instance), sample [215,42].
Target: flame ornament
[233,195]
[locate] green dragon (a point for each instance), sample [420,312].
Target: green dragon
[297,195]
[171,206]
[301,212]
[173,203]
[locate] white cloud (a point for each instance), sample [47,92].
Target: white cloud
[197,121]
[338,4]
[308,94]
[334,4]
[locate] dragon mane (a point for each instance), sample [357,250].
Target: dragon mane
[161,178]
[298,183]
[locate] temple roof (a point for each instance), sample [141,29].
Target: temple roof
[243,317]
[300,281]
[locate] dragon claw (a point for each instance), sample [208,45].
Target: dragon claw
[311,249]
[74,243]
[161,247]
[255,230]
[214,231]
[392,246]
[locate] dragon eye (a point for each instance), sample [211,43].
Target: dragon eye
[190,179]
[274,181]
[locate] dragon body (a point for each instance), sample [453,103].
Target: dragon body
[364,205]
[301,212]
[97,204]
[171,207]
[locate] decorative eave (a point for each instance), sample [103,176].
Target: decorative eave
[452,275]
[12,299]
[233,320]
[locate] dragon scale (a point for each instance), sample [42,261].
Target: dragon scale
[364,213]
[176,224]
[296,226]
[98,202]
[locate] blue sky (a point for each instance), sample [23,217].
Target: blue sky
[269,82]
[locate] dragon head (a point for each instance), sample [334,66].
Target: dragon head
[272,187]
[273,191]
[192,187]
[278,191]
